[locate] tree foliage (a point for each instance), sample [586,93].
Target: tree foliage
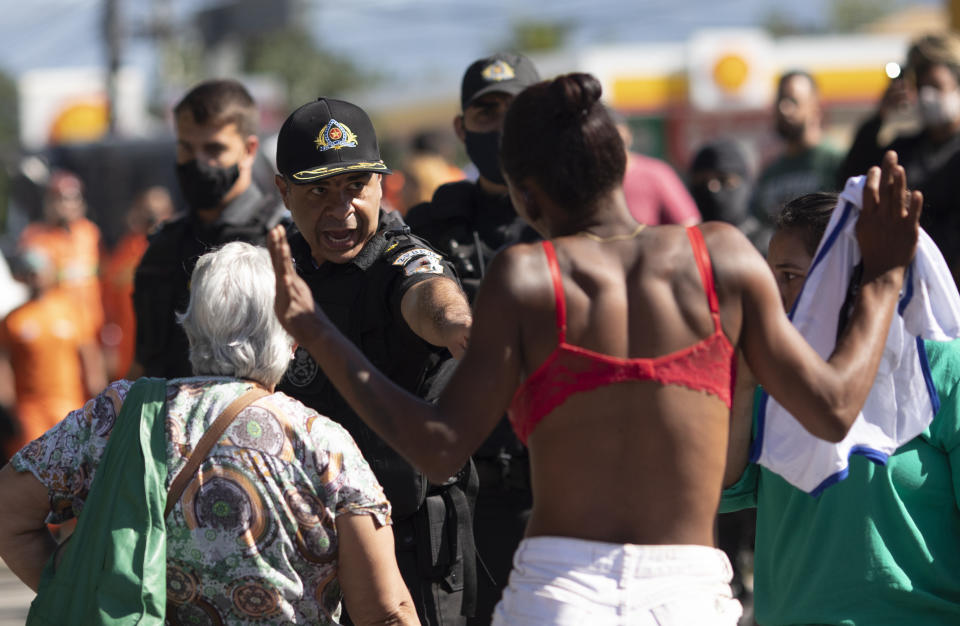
[780,24]
[9,139]
[843,16]
[306,70]
[851,15]
[538,36]
[9,116]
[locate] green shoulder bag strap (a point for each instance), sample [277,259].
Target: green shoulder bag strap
[114,568]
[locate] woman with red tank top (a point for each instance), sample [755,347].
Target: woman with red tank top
[614,347]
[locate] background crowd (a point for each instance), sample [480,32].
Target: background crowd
[71,322]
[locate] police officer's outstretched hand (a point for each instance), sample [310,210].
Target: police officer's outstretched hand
[294,304]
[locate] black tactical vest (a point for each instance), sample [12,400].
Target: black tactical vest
[469,228]
[360,297]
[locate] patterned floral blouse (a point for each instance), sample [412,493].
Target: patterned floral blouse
[256,542]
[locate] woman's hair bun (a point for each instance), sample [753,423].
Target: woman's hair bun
[575,95]
[558,133]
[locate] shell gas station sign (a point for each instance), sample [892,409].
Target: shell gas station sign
[729,70]
[81,119]
[69,105]
[737,70]
[723,82]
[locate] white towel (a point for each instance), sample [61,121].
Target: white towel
[903,400]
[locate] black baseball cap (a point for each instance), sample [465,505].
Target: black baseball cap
[505,72]
[326,138]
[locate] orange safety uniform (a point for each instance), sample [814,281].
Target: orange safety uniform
[42,338]
[119,331]
[75,252]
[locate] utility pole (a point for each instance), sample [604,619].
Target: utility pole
[113,39]
[161,25]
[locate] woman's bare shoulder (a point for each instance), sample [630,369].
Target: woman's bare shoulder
[518,267]
[731,253]
[725,237]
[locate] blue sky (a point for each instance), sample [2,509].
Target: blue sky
[406,40]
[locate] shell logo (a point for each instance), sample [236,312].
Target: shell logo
[730,72]
[80,120]
[729,69]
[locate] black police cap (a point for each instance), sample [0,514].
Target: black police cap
[326,138]
[503,72]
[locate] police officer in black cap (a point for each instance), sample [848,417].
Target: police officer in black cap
[469,222]
[399,301]
[216,126]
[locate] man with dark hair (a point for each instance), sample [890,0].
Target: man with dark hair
[216,126]
[394,297]
[469,222]
[805,165]
[221,101]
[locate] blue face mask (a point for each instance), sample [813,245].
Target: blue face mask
[483,149]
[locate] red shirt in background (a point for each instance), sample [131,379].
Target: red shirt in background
[655,194]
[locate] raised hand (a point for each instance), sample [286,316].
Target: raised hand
[888,227]
[294,304]
[898,96]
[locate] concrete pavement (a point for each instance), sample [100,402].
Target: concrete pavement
[15,598]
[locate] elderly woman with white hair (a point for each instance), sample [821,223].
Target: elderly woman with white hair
[283,513]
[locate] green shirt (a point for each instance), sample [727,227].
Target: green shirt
[790,176]
[882,546]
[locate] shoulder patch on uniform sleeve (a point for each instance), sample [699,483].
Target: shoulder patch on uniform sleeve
[424,265]
[420,261]
[409,255]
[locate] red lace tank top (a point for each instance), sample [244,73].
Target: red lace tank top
[708,365]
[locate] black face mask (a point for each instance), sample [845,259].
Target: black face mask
[727,205]
[483,149]
[204,186]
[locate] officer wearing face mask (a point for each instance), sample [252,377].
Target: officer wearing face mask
[469,222]
[720,184]
[216,130]
[805,165]
[931,156]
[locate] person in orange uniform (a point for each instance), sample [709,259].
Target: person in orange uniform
[72,242]
[150,208]
[48,350]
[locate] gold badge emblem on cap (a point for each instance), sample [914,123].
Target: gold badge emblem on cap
[497,71]
[335,136]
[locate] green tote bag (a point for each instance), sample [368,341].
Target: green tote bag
[114,568]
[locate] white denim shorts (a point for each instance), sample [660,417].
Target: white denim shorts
[558,580]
